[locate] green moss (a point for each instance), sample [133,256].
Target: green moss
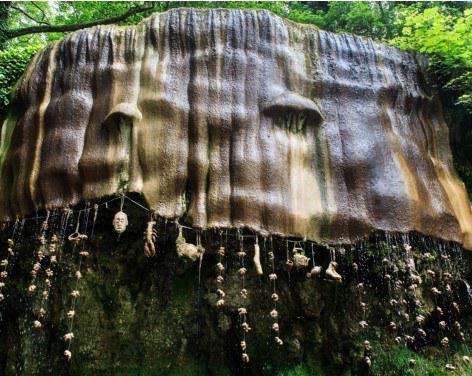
[395,361]
[305,369]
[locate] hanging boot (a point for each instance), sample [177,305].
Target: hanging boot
[332,274]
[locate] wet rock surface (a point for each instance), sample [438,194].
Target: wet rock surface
[236,118]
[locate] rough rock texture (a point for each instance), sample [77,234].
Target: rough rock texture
[235,118]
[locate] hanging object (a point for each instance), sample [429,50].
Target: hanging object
[4,264]
[37,266]
[220,270]
[331,272]
[242,311]
[187,250]
[78,240]
[299,259]
[49,273]
[150,236]
[315,270]
[274,297]
[257,258]
[76,237]
[120,222]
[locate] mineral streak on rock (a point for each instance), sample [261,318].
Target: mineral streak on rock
[249,119]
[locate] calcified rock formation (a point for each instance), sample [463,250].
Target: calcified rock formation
[251,120]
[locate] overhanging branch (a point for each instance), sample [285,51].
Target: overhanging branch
[28,15]
[10,34]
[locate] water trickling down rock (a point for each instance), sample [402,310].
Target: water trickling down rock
[235,119]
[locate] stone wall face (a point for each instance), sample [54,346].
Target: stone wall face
[235,119]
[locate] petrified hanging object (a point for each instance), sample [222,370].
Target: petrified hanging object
[4,265]
[187,250]
[150,236]
[314,272]
[243,293]
[274,297]
[76,237]
[299,258]
[257,258]
[220,270]
[316,269]
[304,109]
[120,222]
[331,272]
[75,293]
[48,277]
[39,255]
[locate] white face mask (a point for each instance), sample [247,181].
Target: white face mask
[120,222]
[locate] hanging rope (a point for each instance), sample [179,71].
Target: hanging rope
[78,241]
[243,293]
[10,254]
[274,297]
[220,268]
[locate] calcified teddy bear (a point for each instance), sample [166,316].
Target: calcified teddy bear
[188,250]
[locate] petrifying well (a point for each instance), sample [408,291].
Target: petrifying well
[235,119]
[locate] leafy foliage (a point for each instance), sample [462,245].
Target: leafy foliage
[447,37]
[434,31]
[13,62]
[370,19]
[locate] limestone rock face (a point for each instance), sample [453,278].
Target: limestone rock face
[235,118]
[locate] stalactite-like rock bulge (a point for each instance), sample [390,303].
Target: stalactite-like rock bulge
[235,118]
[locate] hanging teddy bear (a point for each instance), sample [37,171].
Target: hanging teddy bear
[299,258]
[187,250]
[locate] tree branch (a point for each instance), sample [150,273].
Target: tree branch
[40,9]
[10,34]
[29,16]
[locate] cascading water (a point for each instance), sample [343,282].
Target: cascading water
[327,153]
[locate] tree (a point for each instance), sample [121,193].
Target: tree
[34,17]
[447,37]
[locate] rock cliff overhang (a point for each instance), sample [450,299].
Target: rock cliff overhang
[235,119]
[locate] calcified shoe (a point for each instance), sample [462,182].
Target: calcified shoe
[332,274]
